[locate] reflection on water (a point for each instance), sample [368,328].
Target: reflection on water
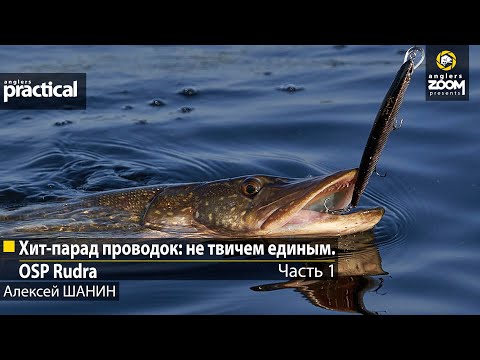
[358,261]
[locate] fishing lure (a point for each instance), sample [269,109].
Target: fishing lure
[384,123]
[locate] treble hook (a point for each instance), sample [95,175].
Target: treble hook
[396,126]
[339,211]
[325,204]
[376,173]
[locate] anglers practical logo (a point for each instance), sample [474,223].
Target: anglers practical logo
[447,72]
[43,91]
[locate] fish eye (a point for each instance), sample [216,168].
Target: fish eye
[251,186]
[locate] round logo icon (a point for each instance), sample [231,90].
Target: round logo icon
[446,60]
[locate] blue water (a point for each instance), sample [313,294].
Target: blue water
[241,121]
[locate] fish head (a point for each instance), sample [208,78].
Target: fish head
[260,205]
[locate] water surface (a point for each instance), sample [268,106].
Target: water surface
[169,114]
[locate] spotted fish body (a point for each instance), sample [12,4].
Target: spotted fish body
[110,210]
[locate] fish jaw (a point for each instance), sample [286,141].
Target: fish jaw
[312,212]
[308,222]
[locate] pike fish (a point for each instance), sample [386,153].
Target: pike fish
[247,206]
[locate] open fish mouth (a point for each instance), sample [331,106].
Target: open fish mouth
[309,208]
